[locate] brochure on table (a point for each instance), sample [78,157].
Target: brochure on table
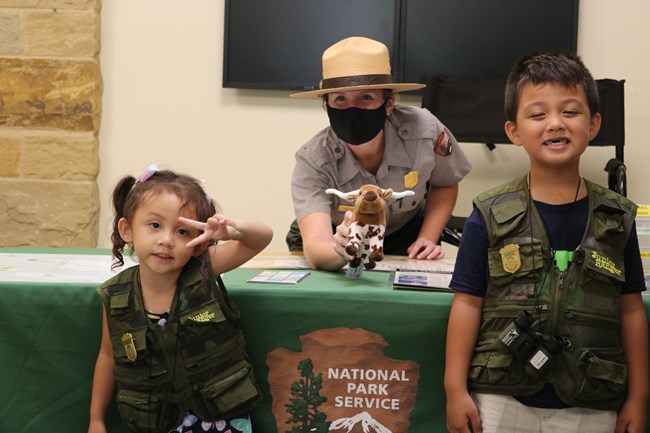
[417,280]
[279,277]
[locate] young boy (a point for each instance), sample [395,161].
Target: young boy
[547,328]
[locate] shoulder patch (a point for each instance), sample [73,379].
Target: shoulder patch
[443,144]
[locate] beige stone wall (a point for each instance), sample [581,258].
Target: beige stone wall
[50,111]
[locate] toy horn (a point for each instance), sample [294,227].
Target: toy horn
[398,195]
[344,195]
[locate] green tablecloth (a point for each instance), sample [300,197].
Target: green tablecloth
[49,339]
[51,334]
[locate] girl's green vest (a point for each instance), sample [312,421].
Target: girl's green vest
[196,362]
[579,305]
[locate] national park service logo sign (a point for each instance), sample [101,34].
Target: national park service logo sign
[341,381]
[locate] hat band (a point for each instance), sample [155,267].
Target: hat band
[355,80]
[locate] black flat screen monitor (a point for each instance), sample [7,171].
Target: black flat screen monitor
[481,38]
[278,44]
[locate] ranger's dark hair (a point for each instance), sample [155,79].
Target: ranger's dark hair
[387,94]
[563,68]
[129,194]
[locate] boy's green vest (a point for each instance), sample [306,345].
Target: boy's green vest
[196,362]
[580,305]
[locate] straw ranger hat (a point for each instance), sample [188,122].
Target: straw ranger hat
[356,63]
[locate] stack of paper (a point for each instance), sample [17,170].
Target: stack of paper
[643,232]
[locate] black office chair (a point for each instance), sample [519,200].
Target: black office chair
[472,109]
[612,130]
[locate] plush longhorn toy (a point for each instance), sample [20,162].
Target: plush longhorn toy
[368,224]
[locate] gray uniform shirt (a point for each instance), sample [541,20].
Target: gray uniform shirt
[419,152]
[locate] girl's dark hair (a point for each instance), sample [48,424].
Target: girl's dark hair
[129,194]
[563,68]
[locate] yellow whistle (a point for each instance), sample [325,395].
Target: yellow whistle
[129,346]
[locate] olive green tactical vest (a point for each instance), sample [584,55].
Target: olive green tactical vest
[580,305]
[196,362]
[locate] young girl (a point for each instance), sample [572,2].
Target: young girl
[171,340]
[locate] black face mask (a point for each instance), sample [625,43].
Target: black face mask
[356,125]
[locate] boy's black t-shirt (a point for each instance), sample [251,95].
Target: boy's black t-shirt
[564,225]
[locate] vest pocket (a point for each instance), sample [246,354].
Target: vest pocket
[201,322]
[141,411]
[118,304]
[205,314]
[139,377]
[494,367]
[526,271]
[231,388]
[608,222]
[130,346]
[602,274]
[508,216]
[602,374]
[205,331]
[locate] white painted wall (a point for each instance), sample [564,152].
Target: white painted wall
[163,103]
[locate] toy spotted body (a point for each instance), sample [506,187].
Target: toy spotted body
[366,244]
[368,224]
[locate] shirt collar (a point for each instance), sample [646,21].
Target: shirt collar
[396,154]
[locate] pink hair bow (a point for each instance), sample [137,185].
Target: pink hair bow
[147,173]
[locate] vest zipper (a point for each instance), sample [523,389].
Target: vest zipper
[137,401]
[579,316]
[509,310]
[122,378]
[218,386]
[557,309]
